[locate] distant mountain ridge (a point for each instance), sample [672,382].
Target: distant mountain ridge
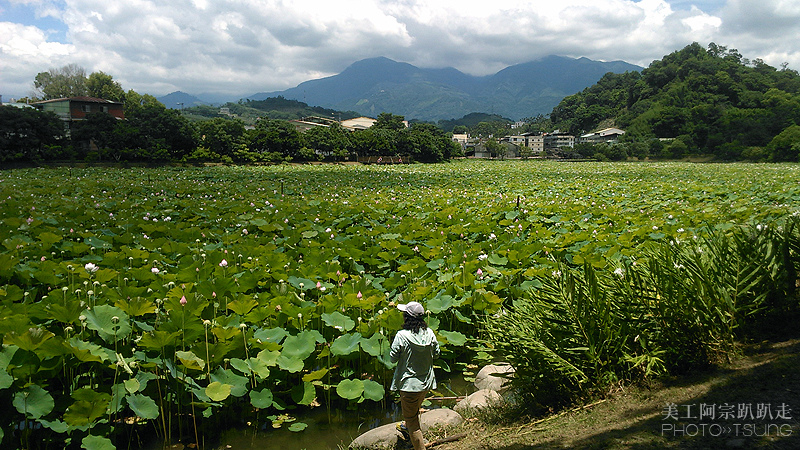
[376,85]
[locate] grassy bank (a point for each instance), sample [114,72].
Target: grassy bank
[633,417]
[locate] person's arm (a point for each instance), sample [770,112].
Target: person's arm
[397,348]
[436,350]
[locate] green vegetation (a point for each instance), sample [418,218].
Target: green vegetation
[176,300]
[250,111]
[697,101]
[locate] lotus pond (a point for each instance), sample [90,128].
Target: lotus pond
[174,301]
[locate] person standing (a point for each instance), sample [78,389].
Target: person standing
[414,349]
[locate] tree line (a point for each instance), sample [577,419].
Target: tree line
[153,133]
[697,100]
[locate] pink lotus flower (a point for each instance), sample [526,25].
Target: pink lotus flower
[223,263]
[359,295]
[183,300]
[480,273]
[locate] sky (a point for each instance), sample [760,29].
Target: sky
[238,48]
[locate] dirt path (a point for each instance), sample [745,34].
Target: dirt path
[741,395]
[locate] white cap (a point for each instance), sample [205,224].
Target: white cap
[412,308]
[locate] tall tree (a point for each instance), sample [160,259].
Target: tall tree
[67,81]
[102,85]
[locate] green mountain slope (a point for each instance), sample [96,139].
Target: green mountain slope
[712,100]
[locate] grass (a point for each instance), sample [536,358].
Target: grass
[633,417]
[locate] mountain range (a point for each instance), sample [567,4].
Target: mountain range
[376,85]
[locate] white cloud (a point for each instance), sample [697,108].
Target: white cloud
[246,46]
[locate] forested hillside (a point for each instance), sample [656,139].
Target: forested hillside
[705,101]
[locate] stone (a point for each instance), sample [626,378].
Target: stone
[387,436]
[486,378]
[383,437]
[439,417]
[477,400]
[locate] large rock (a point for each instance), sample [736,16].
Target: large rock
[383,437]
[440,417]
[478,400]
[387,436]
[487,377]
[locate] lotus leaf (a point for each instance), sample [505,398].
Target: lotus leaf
[304,393]
[374,345]
[297,426]
[261,399]
[440,303]
[290,364]
[110,322]
[226,376]
[33,401]
[30,340]
[143,406]
[275,335]
[454,337]
[339,321]
[350,389]
[217,391]
[190,360]
[300,346]
[373,390]
[88,407]
[346,344]
[92,442]
[316,375]
[132,385]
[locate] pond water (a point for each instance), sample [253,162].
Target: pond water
[326,430]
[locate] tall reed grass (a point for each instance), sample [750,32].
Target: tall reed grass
[678,307]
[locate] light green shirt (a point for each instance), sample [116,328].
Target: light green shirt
[414,354]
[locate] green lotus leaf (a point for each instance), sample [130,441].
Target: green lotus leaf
[110,322]
[33,401]
[242,305]
[143,406]
[55,425]
[118,394]
[300,346]
[88,407]
[315,375]
[435,264]
[92,442]
[289,364]
[304,393]
[6,380]
[159,339]
[137,306]
[226,376]
[297,426]
[217,391]
[497,260]
[132,385]
[375,344]
[270,358]
[240,365]
[454,337]
[338,320]
[350,389]
[97,242]
[30,340]
[261,399]
[373,390]
[439,304]
[190,360]
[48,239]
[275,335]
[346,344]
